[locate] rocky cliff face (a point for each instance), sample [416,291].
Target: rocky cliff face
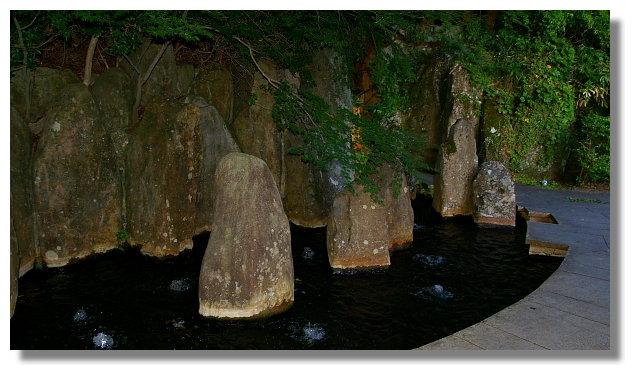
[77,189]
[170,163]
[309,192]
[426,99]
[99,170]
[34,93]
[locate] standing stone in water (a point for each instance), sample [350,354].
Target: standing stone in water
[457,164]
[494,195]
[457,160]
[357,232]
[361,232]
[247,269]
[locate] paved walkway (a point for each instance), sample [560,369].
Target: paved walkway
[571,309]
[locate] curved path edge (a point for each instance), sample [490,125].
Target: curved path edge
[571,309]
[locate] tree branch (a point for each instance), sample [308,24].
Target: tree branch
[154,62]
[131,64]
[29,25]
[142,80]
[90,53]
[272,82]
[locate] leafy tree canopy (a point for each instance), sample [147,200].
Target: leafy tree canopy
[547,72]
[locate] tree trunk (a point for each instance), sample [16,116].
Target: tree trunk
[88,66]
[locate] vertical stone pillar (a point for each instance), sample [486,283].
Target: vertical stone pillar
[247,269]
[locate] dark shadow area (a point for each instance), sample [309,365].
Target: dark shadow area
[454,275]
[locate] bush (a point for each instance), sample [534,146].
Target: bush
[594,149]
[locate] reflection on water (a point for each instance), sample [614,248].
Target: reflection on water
[429,260]
[434,291]
[453,276]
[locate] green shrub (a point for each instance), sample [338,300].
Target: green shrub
[594,149]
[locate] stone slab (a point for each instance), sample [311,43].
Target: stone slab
[492,338]
[450,343]
[570,265]
[571,305]
[584,288]
[551,328]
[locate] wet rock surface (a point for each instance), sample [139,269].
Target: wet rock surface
[247,270]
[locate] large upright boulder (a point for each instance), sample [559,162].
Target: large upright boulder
[171,160]
[361,232]
[14,269]
[247,269]
[163,83]
[253,126]
[457,160]
[22,247]
[457,164]
[22,198]
[77,193]
[357,232]
[400,215]
[461,100]
[494,195]
[427,98]
[40,88]
[309,191]
[214,84]
[114,93]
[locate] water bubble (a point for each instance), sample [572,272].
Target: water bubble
[103,341]
[429,260]
[80,315]
[313,332]
[434,292]
[308,253]
[180,285]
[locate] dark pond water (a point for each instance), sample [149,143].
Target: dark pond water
[453,276]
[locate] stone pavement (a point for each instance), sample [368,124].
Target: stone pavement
[571,309]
